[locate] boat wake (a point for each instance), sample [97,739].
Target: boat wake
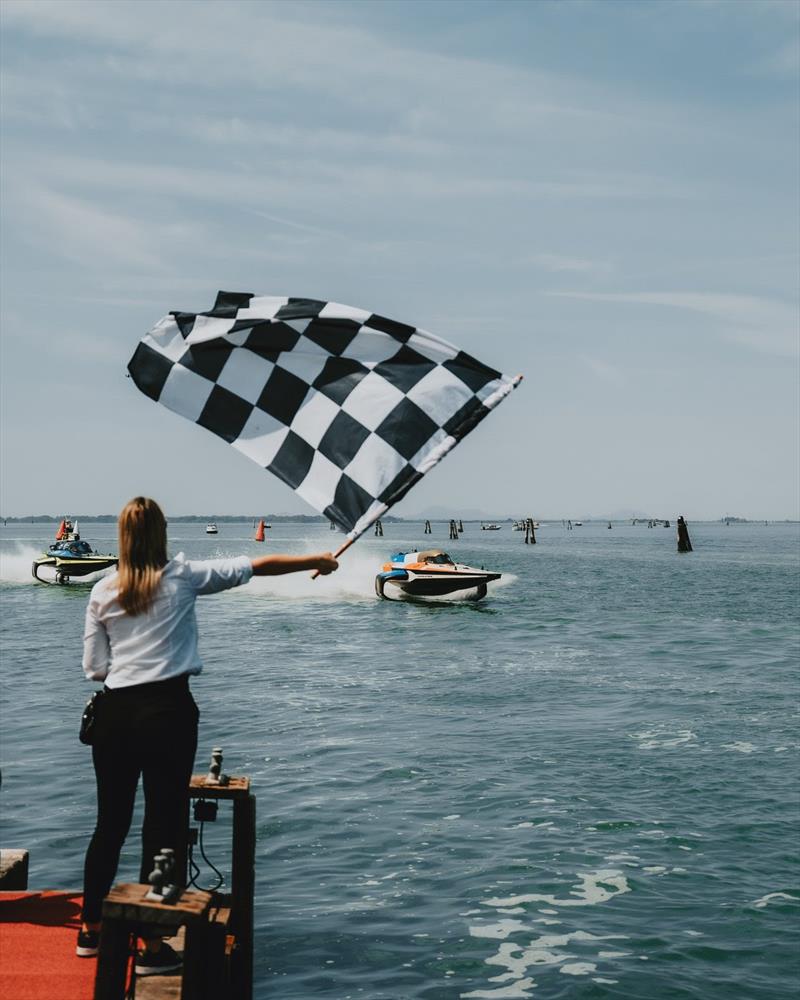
[352,581]
[15,567]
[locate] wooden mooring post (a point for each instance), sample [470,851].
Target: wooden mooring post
[530,534]
[379,528]
[427,530]
[684,543]
[217,927]
[453,531]
[243,874]
[127,912]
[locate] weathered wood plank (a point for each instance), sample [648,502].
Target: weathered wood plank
[158,988]
[237,788]
[127,902]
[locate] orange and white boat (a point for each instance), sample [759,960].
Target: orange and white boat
[431,573]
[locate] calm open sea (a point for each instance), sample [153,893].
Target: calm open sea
[584,786]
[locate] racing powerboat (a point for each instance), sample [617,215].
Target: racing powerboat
[70,556]
[431,574]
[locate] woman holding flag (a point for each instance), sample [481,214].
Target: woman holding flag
[141,640]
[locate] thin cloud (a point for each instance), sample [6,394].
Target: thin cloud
[783,62]
[85,233]
[605,371]
[766,325]
[556,263]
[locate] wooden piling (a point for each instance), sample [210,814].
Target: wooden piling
[127,912]
[453,531]
[243,873]
[684,543]
[530,534]
[427,530]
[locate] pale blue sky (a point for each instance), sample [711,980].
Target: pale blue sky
[602,196]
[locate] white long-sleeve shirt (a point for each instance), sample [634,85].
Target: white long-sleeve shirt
[161,643]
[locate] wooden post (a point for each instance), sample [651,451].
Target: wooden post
[243,873]
[112,961]
[530,534]
[195,981]
[127,912]
[427,528]
[684,543]
[243,876]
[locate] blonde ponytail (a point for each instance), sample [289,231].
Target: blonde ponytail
[142,554]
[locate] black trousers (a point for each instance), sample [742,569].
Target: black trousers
[148,730]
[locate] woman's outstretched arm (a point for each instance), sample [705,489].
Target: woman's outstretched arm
[276,565]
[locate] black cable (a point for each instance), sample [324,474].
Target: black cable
[213,867]
[194,868]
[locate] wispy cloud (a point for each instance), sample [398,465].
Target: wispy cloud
[85,233]
[557,263]
[376,111]
[766,325]
[782,62]
[604,370]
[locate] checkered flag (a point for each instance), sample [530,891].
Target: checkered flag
[347,407]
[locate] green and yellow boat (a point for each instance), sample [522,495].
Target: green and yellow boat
[69,556]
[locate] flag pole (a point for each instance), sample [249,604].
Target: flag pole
[336,555]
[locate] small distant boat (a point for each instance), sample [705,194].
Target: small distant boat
[577,524]
[69,556]
[431,574]
[490,527]
[211,528]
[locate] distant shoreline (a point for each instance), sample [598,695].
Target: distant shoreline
[388,519]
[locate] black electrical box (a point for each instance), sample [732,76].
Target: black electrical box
[205,811]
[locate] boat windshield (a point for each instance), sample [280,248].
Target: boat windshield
[440,559]
[72,548]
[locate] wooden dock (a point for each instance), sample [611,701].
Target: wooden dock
[212,930]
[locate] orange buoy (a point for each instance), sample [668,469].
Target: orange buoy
[260,531]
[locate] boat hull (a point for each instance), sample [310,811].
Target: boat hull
[433,584]
[66,568]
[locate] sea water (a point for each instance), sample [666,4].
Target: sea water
[585,785]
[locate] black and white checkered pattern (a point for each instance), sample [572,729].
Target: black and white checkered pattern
[347,407]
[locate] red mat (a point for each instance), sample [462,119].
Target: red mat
[37,948]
